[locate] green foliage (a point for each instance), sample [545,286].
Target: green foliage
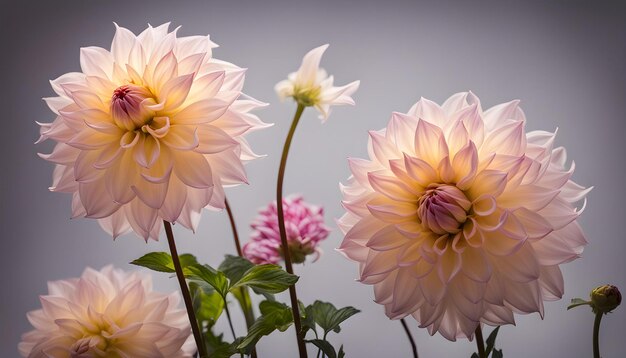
[207,303]
[491,340]
[491,343]
[162,261]
[206,273]
[234,267]
[307,319]
[209,289]
[328,317]
[325,347]
[266,279]
[274,316]
[217,347]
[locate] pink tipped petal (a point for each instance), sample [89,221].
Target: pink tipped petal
[459,218]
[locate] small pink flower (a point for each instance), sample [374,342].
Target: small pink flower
[305,230]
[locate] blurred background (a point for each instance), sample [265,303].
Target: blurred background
[566,62]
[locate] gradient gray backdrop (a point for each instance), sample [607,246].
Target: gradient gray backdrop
[565,61]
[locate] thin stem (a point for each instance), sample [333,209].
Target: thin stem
[230,322]
[233,226]
[283,232]
[185,290]
[246,305]
[411,340]
[480,342]
[596,333]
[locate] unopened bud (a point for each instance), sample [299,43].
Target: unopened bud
[605,298]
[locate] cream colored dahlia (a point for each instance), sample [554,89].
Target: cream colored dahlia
[151,130]
[107,313]
[459,217]
[311,85]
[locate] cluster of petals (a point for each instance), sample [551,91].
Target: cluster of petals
[459,217]
[311,85]
[305,228]
[108,313]
[150,130]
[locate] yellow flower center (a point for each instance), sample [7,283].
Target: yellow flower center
[443,209]
[307,96]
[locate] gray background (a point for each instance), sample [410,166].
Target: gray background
[565,61]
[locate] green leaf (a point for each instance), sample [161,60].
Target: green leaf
[162,261]
[206,273]
[275,315]
[234,267]
[578,302]
[341,353]
[266,279]
[325,346]
[497,353]
[207,303]
[156,261]
[216,346]
[491,340]
[308,321]
[475,355]
[329,318]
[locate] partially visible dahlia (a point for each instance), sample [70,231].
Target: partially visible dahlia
[311,85]
[107,313]
[459,217]
[305,230]
[151,130]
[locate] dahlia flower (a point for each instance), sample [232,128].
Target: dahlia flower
[107,313]
[305,230]
[311,85]
[151,130]
[459,217]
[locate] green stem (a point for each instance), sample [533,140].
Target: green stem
[246,306]
[480,342]
[230,322]
[596,333]
[411,340]
[283,232]
[185,290]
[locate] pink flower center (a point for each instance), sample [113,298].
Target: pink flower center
[83,346]
[443,209]
[129,106]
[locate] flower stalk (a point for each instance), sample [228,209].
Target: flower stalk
[480,342]
[248,313]
[596,335]
[233,226]
[283,232]
[410,336]
[197,334]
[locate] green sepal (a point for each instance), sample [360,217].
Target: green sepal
[578,302]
